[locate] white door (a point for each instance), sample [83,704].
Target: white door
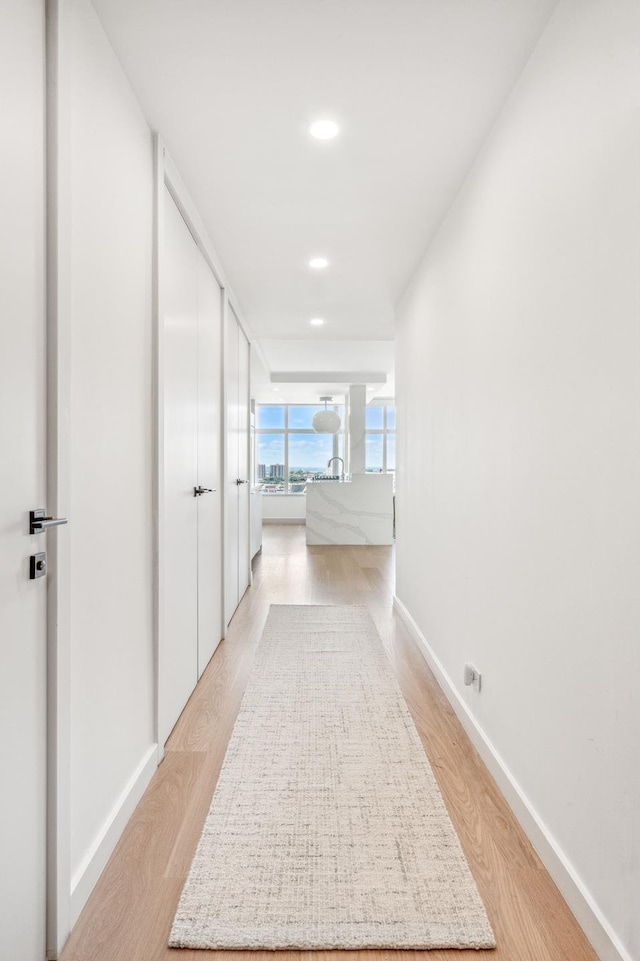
[237,526]
[191,546]
[23,655]
[209,479]
[244,489]
[232,496]
[178,655]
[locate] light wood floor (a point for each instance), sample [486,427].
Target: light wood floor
[131,909]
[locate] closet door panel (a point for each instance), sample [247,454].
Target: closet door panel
[244,491]
[178,660]
[232,464]
[209,460]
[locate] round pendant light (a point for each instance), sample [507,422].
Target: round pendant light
[326,421]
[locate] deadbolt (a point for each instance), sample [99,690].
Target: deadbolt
[37,565]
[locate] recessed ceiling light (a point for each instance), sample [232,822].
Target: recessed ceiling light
[317,322]
[324,129]
[318,263]
[275,388]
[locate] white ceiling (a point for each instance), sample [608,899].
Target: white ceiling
[289,356]
[231,85]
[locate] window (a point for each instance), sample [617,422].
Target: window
[270,461]
[374,417]
[374,452]
[288,450]
[380,438]
[270,416]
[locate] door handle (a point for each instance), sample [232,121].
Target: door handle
[203,490]
[39,523]
[238,482]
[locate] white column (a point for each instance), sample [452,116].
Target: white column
[357,405]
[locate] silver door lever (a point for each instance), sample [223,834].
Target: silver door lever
[39,523]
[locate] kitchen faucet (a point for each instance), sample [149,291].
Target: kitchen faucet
[330,461]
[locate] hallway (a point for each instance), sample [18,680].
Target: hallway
[252,246]
[131,909]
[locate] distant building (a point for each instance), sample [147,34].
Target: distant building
[262,471]
[276,470]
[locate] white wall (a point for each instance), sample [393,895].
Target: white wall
[112,699]
[519,460]
[284,507]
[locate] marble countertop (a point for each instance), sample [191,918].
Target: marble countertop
[356,511]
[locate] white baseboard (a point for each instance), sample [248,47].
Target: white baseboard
[85,878]
[597,929]
[284,520]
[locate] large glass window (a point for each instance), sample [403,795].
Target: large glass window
[374,452]
[391,451]
[380,438]
[270,416]
[308,456]
[288,450]
[301,416]
[374,419]
[270,462]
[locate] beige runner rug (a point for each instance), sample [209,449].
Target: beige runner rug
[327,829]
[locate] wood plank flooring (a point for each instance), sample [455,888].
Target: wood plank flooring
[130,912]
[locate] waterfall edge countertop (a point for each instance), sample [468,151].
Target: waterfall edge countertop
[359,511]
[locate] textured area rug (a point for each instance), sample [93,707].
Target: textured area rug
[327,829]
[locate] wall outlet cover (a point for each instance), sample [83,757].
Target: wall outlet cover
[472,676]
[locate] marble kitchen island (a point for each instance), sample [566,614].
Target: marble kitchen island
[359,511]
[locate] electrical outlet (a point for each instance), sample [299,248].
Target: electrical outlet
[472,676]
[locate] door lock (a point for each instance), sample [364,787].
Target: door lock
[37,565]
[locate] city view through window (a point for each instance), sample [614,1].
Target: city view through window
[289,454]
